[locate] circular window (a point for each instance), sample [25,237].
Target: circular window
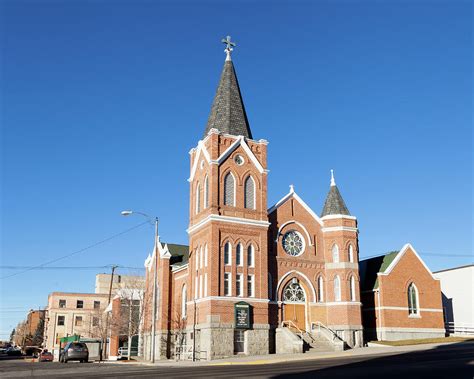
[239,160]
[293,243]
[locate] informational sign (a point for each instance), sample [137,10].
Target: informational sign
[242,315]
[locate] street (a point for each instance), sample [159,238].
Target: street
[447,361]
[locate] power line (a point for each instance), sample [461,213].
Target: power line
[66,267]
[77,252]
[426,254]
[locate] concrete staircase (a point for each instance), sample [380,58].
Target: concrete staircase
[316,344]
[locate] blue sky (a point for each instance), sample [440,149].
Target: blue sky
[101,102]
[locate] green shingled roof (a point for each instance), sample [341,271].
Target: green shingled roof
[179,253]
[369,268]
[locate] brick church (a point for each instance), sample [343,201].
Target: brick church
[257,279]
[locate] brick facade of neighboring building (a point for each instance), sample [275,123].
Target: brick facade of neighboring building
[293,267]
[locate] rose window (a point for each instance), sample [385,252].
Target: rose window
[293,243]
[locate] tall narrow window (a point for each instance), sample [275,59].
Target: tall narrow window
[238,255]
[227,253]
[412,299]
[198,198]
[227,284]
[201,256]
[205,284]
[206,192]
[229,190]
[239,285]
[337,289]
[197,258]
[183,302]
[205,256]
[249,193]
[352,288]
[200,286]
[250,286]
[320,289]
[80,304]
[196,287]
[335,253]
[351,253]
[250,256]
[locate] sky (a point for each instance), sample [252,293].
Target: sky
[101,102]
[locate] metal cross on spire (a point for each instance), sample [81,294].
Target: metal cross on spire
[229,47]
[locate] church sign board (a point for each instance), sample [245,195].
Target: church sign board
[242,315]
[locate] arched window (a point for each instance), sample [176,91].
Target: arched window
[335,253]
[351,253]
[198,198]
[249,193]
[206,192]
[205,256]
[227,253]
[337,289]
[229,190]
[293,292]
[320,289]
[250,256]
[183,302]
[239,259]
[352,288]
[412,299]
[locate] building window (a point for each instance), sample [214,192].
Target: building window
[227,284]
[95,321]
[335,253]
[250,256]
[206,192]
[293,292]
[239,285]
[412,299]
[80,304]
[238,255]
[205,256]
[183,302]
[352,288]
[196,287]
[198,198]
[61,320]
[201,257]
[200,286]
[78,321]
[96,304]
[249,193]
[320,289]
[229,190]
[351,253]
[205,284]
[197,259]
[227,253]
[62,303]
[337,289]
[250,286]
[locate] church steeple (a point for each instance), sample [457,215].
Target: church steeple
[228,111]
[334,204]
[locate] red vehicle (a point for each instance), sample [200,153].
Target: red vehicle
[45,356]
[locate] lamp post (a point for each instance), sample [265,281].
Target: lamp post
[155,279]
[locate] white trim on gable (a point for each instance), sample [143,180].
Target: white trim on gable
[200,149]
[335,217]
[293,194]
[399,256]
[297,223]
[241,141]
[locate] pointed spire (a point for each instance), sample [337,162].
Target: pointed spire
[334,204]
[228,112]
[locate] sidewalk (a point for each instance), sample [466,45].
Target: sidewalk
[281,358]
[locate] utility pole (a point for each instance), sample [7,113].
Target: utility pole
[107,315]
[155,284]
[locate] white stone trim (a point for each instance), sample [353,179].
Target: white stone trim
[339,229]
[235,220]
[299,273]
[337,217]
[179,269]
[230,298]
[403,309]
[241,141]
[399,257]
[336,303]
[293,194]
[201,148]
[300,225]
[410,330]
[341,265]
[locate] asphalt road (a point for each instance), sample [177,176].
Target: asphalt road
[448,361]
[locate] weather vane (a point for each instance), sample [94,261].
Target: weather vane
[229,47]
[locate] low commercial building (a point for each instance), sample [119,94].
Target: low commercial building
[457,287]
[401,299]
[74,313]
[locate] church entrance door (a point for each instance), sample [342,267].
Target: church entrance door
[294,305]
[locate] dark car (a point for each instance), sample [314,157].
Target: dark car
[45,356]
[13,351]
[74,351]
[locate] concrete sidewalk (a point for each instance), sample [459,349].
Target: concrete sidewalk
[281,358]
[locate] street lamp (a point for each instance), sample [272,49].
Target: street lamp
[155,278]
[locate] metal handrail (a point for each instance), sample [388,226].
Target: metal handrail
[321,325]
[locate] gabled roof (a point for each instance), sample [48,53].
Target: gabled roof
[369,268]
[228,112]
[179,254]
[334,204]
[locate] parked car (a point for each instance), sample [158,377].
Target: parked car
[74,351]
[45,356]
[13,351]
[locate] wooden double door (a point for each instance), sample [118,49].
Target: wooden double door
[295,312]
